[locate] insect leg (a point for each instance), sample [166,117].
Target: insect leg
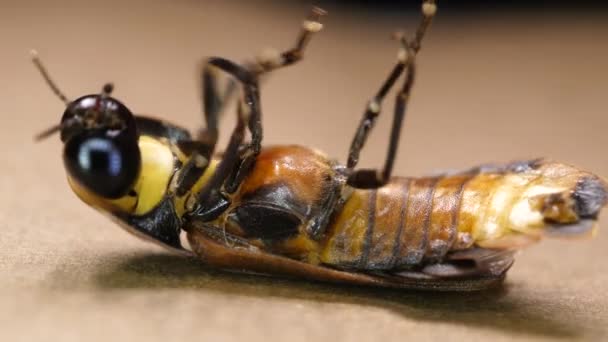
[372,178]
[251,97]
[236,158]
[202,148]
[214,102]
[265,62]
[269,60]
[161,129]
[210,202]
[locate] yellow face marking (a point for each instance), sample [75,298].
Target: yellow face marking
[124,204]
[151,186]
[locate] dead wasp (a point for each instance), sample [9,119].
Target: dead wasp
[292,211]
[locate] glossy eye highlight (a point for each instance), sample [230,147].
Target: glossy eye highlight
[108,166]
[102,155]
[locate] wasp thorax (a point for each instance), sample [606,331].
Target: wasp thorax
[101,151]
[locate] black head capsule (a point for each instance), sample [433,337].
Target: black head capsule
[100,137]
[101,151]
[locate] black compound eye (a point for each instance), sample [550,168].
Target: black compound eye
[107,166]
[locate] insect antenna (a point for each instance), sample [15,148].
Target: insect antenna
[49,81]
[38,63]
[47,132]
[107,90]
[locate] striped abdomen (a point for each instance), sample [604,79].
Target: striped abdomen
[400,224]
[414,220]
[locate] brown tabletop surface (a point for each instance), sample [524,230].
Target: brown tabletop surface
[491,87]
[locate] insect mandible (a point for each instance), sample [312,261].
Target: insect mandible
[292,211]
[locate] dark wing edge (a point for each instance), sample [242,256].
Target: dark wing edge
[486,269]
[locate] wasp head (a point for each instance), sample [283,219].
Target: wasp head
[100,139]
[101,152]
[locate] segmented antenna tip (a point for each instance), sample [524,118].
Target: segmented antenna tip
[108,88]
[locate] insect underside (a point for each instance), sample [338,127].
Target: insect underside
[292,211]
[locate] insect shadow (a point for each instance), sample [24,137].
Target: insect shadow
[508,308]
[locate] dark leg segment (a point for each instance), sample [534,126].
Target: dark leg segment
[214,101]
[210,200]
[251,96]
[372,178]
[201,150]
[271,60]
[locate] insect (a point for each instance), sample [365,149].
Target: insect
[292,211]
